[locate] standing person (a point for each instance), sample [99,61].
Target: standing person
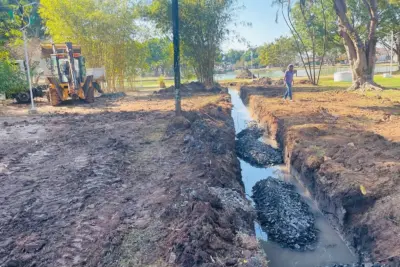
[288,79]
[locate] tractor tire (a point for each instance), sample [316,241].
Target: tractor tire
[23,98]
[89,97]
[53,97]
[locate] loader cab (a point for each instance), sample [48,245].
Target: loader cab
[62,72]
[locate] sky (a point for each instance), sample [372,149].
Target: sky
[264,29]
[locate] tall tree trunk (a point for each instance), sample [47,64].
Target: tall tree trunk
[361,54]
[397,50]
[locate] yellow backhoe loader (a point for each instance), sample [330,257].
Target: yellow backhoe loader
[68,79]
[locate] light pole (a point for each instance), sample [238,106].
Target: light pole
[33,108]
[251,53]
[23,30]
[391,55]
[177,68]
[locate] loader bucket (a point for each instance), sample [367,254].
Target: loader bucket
[87,83]
[55,91]
[88,89]
[56,83]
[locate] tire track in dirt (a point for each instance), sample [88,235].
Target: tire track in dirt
[123,188]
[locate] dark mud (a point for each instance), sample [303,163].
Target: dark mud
[284,215]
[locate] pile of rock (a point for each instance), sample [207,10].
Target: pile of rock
[284,215]
[252,130]
[255,152]
[245,74]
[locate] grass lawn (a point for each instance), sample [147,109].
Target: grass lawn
[146,84]
[389,83]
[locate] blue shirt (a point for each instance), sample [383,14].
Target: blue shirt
[289,76]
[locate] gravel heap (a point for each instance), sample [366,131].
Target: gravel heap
[255,152]
[284,215]
[252,130]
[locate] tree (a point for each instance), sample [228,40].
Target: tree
[333,53]
[203,28]
[251,57]
[12,19]
[308,24]
[233,56]
[390,23]
[360,51]
[10,25]
[160,55]
[11,22]
[360,48]
[107,32]
[11,80]
[280,53]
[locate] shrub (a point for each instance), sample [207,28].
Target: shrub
[161,82]
[11,79]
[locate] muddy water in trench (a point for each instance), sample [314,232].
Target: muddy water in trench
[330,248]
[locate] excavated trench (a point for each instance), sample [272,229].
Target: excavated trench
[328,250]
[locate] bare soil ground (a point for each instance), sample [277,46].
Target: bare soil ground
[345,148]
[122,182]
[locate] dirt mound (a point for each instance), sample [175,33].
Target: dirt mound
[255,152]
[245,74]
[279,82]
[113,95]
[125,184]
[346,152]
[283,214]
[304,82]
[263,81]
[192,87]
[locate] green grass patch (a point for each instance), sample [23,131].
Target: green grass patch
[389,83]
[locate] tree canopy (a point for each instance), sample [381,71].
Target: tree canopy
[160,55]
[203,28]
[108,33]
[279,53]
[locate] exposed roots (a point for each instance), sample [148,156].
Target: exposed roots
[366,86]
